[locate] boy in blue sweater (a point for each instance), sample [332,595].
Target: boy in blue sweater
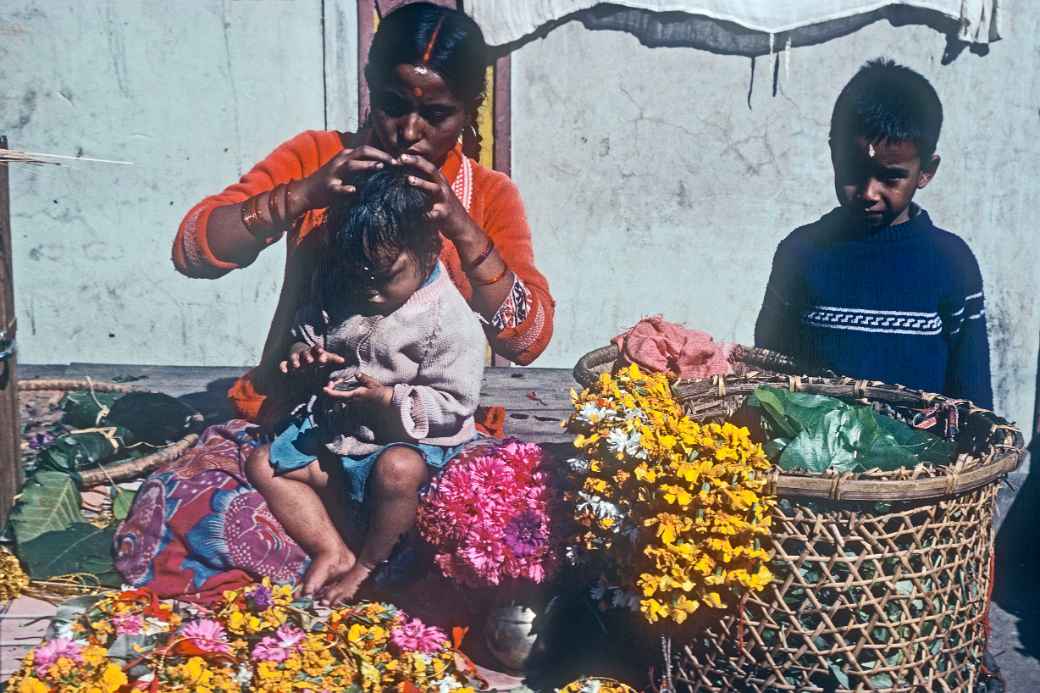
[873,289]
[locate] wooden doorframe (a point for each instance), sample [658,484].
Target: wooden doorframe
[10,430]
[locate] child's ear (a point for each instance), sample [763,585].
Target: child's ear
[928,170]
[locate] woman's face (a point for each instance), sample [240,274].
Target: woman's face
[414,112]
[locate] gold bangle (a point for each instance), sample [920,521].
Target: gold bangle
[250,214]
[497,279]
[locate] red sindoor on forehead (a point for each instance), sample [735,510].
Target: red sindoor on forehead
[432,42]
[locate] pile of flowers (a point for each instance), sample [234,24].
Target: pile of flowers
[254,639]
[674,511]
[596,684]
[488,516]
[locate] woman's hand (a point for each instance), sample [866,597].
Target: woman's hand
[324,186]
[455,223]
[309,359]
[362,388]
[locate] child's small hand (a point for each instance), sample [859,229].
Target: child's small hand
[368,390]
[309,358]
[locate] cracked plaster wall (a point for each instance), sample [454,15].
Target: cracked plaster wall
[650,185]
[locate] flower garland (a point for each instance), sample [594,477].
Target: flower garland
[255,639]
[487,516]
[13,580]
[596,684]
[676,509]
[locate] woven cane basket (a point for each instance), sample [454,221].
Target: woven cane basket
[51,390]
[882,580]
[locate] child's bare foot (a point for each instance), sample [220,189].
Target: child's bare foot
[343,587]
[325,567]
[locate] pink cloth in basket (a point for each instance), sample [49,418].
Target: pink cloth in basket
[658,345]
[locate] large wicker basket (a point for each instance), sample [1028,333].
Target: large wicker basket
[882,580]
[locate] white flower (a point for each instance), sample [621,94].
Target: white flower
[243,675]
[578,465]
[592,414]
[622,443]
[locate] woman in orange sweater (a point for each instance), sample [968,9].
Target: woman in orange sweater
[426,72]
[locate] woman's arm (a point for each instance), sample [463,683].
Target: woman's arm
[496,255]
[228,230]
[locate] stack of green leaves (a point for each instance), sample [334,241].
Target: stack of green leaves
[815,433]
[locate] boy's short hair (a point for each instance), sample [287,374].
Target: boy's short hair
[886,101]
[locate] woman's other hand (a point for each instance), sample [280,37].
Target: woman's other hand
[321,188]
[309,359]
[455,223]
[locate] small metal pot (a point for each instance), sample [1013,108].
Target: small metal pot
[509,635]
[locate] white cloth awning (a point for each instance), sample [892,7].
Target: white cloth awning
[507,21]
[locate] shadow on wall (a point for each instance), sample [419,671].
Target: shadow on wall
[1017,588]
[680,29]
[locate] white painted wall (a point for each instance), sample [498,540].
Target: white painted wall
[193,93]
[653,188]
[650,184]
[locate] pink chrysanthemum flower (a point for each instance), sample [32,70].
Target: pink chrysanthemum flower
[285,642]
[128,624]
[487,516]
[51,651]
[416,636]
[207,635]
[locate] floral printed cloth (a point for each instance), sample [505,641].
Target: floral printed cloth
[198,527]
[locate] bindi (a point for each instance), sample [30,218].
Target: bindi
[418,92]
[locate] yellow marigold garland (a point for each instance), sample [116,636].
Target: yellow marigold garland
[254,639]
[13,580]
[678,507]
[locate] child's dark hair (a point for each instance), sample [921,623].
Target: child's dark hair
[886,101]
[447,41]
[365,233]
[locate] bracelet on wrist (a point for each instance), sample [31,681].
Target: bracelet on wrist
[484,255]
[494,280]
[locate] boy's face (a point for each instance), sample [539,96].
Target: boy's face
[389,284]
[876,181]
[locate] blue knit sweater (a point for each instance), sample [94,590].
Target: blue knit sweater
[902,304]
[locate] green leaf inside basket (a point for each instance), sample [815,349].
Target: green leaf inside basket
[49,502]
[814,433]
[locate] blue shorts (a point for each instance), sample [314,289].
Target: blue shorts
[300,442]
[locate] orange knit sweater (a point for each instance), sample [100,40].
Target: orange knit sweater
[496,207]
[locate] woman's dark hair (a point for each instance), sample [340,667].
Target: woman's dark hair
[886,101]
[364,234]
[447,41]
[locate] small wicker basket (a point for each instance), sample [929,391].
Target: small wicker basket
[115,471]
[882,579]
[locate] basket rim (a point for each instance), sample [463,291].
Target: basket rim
[965,474]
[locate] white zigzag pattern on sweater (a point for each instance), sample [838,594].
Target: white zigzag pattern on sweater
[865,320]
